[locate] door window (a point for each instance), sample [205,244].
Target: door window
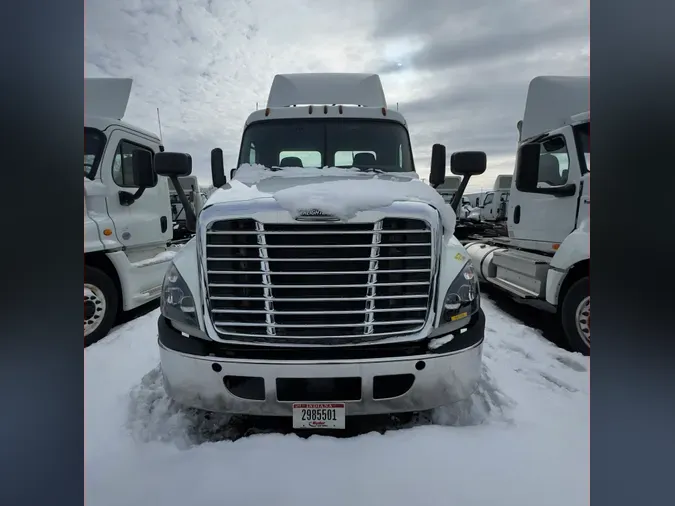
[123,168]
[554,163]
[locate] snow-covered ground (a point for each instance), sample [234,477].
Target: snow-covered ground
[523,439]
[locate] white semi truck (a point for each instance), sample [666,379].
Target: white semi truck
[324,280]
[475,199]
[494,206]
[127,214]
[545,260]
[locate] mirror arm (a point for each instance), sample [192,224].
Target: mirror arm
[127,198]
[190,217]
[457,198]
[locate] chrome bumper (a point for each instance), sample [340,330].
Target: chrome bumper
[243,380]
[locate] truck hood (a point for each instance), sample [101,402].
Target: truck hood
[339,192]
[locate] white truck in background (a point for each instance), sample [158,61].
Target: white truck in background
[494,206]
[475,198]
[195,196]
[127,214]
[448,189]
[324,279]
[545,260]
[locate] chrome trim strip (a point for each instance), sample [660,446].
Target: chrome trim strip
[267,281]
[372,277]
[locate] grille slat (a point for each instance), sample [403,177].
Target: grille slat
[318,246]
[357,259]
[316,232]
[280,281]
[314,325]
[323,273]
[311,299]
[323,285]
[317,312]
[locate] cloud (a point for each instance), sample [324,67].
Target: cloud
[477,59]
[458,70]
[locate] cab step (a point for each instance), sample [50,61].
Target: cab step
[521,273]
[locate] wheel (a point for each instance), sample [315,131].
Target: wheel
[576,316]
[100,304]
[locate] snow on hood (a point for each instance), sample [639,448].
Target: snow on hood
[331,190]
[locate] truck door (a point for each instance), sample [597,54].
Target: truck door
[583,138]
[585,199]
[487,212]
[147,222]
[541,215]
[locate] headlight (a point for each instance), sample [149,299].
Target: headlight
[177,303]
[462,299]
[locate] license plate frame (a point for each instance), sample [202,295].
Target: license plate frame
[319,415]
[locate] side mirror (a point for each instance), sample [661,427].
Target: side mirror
[173,164]
[217,168]
[437,172]
[144,175]
[468,163]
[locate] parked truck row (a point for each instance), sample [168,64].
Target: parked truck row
[324,279]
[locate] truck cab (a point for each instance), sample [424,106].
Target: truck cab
[324,280]
[494,207]
[127,215]
[545,260]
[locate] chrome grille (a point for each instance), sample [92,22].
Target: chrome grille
[300,281]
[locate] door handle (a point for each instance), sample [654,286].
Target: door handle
[516,215]
[163,223]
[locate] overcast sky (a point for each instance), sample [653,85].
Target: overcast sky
[459,69]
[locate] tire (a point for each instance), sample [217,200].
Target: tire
[101,300]
[576,316]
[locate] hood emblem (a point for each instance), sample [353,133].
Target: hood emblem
[315,215]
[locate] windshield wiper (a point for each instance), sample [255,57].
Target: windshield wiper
[370,169]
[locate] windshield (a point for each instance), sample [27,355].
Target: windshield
[94,142]
[368,144]
[583,135]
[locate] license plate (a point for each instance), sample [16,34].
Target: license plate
[319,415]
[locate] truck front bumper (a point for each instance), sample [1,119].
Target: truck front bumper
[267,381]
